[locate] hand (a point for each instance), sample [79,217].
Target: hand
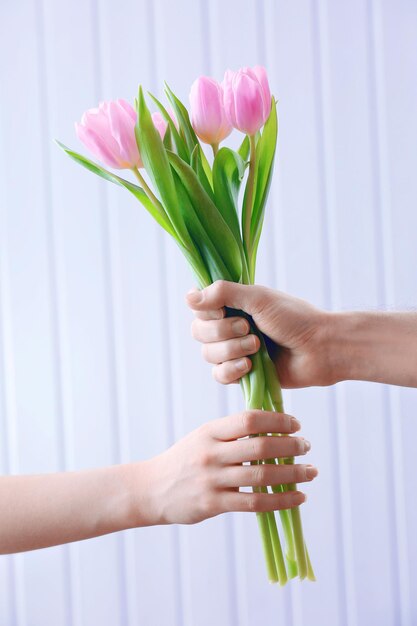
[199,477]
[296,330]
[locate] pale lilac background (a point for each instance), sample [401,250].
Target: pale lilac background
[96,362]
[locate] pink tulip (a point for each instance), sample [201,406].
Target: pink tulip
[109,133]
[247,98]
[207,111]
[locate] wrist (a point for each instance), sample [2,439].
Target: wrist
[359,343]
[144,504]
[341,346]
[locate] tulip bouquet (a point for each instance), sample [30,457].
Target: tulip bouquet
[197,200]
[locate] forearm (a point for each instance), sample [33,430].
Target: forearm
[373,346]
[49,509]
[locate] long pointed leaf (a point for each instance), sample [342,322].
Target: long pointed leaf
[180,144]
[228,172]
[197,165]
[212,220]
[212,258]
[155,160]
[183,118]
[137,191]
[265,154]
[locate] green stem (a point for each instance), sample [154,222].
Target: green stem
[148,190]
[263,380]
[248,200]
[215,148]
[276,546]
[253,388]
[264,529]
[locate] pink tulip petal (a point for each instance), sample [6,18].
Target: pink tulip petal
[128,108]
[248,104]
[262,77]
[96,145]
[160,123]
[228,97]
[122,128]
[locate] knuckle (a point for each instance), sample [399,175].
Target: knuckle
[218,374]
[262,446]
[252,503]
[205,352]
[216,331]
[205,459]
[218,287]
[194,329]
[249,421]
[260,474]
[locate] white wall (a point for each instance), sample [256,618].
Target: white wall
[96,362]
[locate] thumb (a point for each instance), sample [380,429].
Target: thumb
[223,293]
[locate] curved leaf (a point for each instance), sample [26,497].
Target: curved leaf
[265,154]
[210,217]
[180,145]
[158,214]
[208,251]
[228,172]
[183,118]
[155,160]
[197,165]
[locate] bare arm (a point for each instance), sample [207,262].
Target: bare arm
[374,346]
[309,346]
[198,477]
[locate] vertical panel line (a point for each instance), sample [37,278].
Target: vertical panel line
[385,254]
[291,599]
[112,325]
[347,606]
[167,334]
[8,400]
[53,281]
[237,599]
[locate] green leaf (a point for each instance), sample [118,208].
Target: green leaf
[187,130]
[197,165]
[265,154]
[183,118]
[179,142]
[209,253]
[167,141]
[244,148]
[210,217]
[155,160]
[228,172]
[137,191]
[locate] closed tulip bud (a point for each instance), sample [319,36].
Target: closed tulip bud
[207,111]
[247,98]
[109,133]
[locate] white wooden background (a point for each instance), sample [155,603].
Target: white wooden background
[96,362]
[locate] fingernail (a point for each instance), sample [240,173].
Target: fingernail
[239,327]
[241,365]
[311,472]
[248,343]
[195,296]
[307,445]
[295,424]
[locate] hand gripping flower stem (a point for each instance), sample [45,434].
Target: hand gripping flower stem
[274,402]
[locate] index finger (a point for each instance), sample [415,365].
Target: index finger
[253,422]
